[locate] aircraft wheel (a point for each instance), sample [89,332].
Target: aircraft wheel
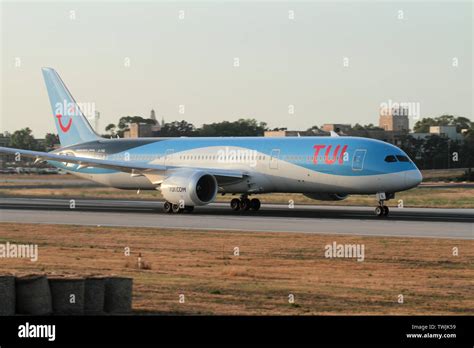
[176,208]
[385,210]
[167,207]
[379,211]
[255,204]
[235,204]
[189,208]
[245,204]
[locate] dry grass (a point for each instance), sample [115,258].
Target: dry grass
[201,265]
[443,174]
[418,197]
[452,197]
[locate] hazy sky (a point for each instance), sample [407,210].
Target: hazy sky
[283,61]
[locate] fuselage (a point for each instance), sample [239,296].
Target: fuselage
[345,165]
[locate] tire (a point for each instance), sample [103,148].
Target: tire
[245,204]
[255,204]
[167,207]
[385,210]
[379,211]
[176,208]
[235,204]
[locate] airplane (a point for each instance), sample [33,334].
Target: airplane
[192,171]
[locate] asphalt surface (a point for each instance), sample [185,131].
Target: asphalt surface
[402,222]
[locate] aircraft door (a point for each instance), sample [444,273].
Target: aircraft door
[274,158]
[168,156]
[358,159]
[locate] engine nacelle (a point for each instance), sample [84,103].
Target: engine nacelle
[189,188]
[327,196]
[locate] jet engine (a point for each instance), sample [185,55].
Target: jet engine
[327,196]
[190,188]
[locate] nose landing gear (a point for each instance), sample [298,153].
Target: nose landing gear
[382,210]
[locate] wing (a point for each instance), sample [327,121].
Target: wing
[135,168]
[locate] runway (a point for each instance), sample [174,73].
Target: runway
[402,222]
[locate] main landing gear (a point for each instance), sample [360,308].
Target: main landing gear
[244,203]
[382,210]
[176,208]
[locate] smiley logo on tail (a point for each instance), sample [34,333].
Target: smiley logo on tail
[65,129]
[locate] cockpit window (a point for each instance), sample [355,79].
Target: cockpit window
[390,158]
[403,158]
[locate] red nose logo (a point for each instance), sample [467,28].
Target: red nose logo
[65,129]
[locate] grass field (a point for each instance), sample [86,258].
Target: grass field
[419,197]
[271,266]
[432,197]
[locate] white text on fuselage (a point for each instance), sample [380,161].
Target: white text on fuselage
[177,189]
[228,155]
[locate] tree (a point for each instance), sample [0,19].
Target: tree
[467,149]
[463,123]
[111,128]
[435,152]
[50,140]
[241,127]
[178,129]
[369,126]
[125,121]
[423,126]
[23,139]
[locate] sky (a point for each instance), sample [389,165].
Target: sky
[289,64]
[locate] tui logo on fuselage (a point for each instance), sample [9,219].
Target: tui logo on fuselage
[335,157]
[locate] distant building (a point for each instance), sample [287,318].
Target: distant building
[337,127]
[446,131]
[4,140]
[9,159]
[449,132]
[420,135]
[394,122]
[392,137]
[139,130]
[287,133]
[156,127]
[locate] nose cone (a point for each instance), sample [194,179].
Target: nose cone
[413,178]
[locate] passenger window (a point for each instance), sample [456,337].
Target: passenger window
[390,158]
[403,158]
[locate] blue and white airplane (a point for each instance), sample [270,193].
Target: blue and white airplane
[190,172]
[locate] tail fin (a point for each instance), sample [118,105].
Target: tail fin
[71,124]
